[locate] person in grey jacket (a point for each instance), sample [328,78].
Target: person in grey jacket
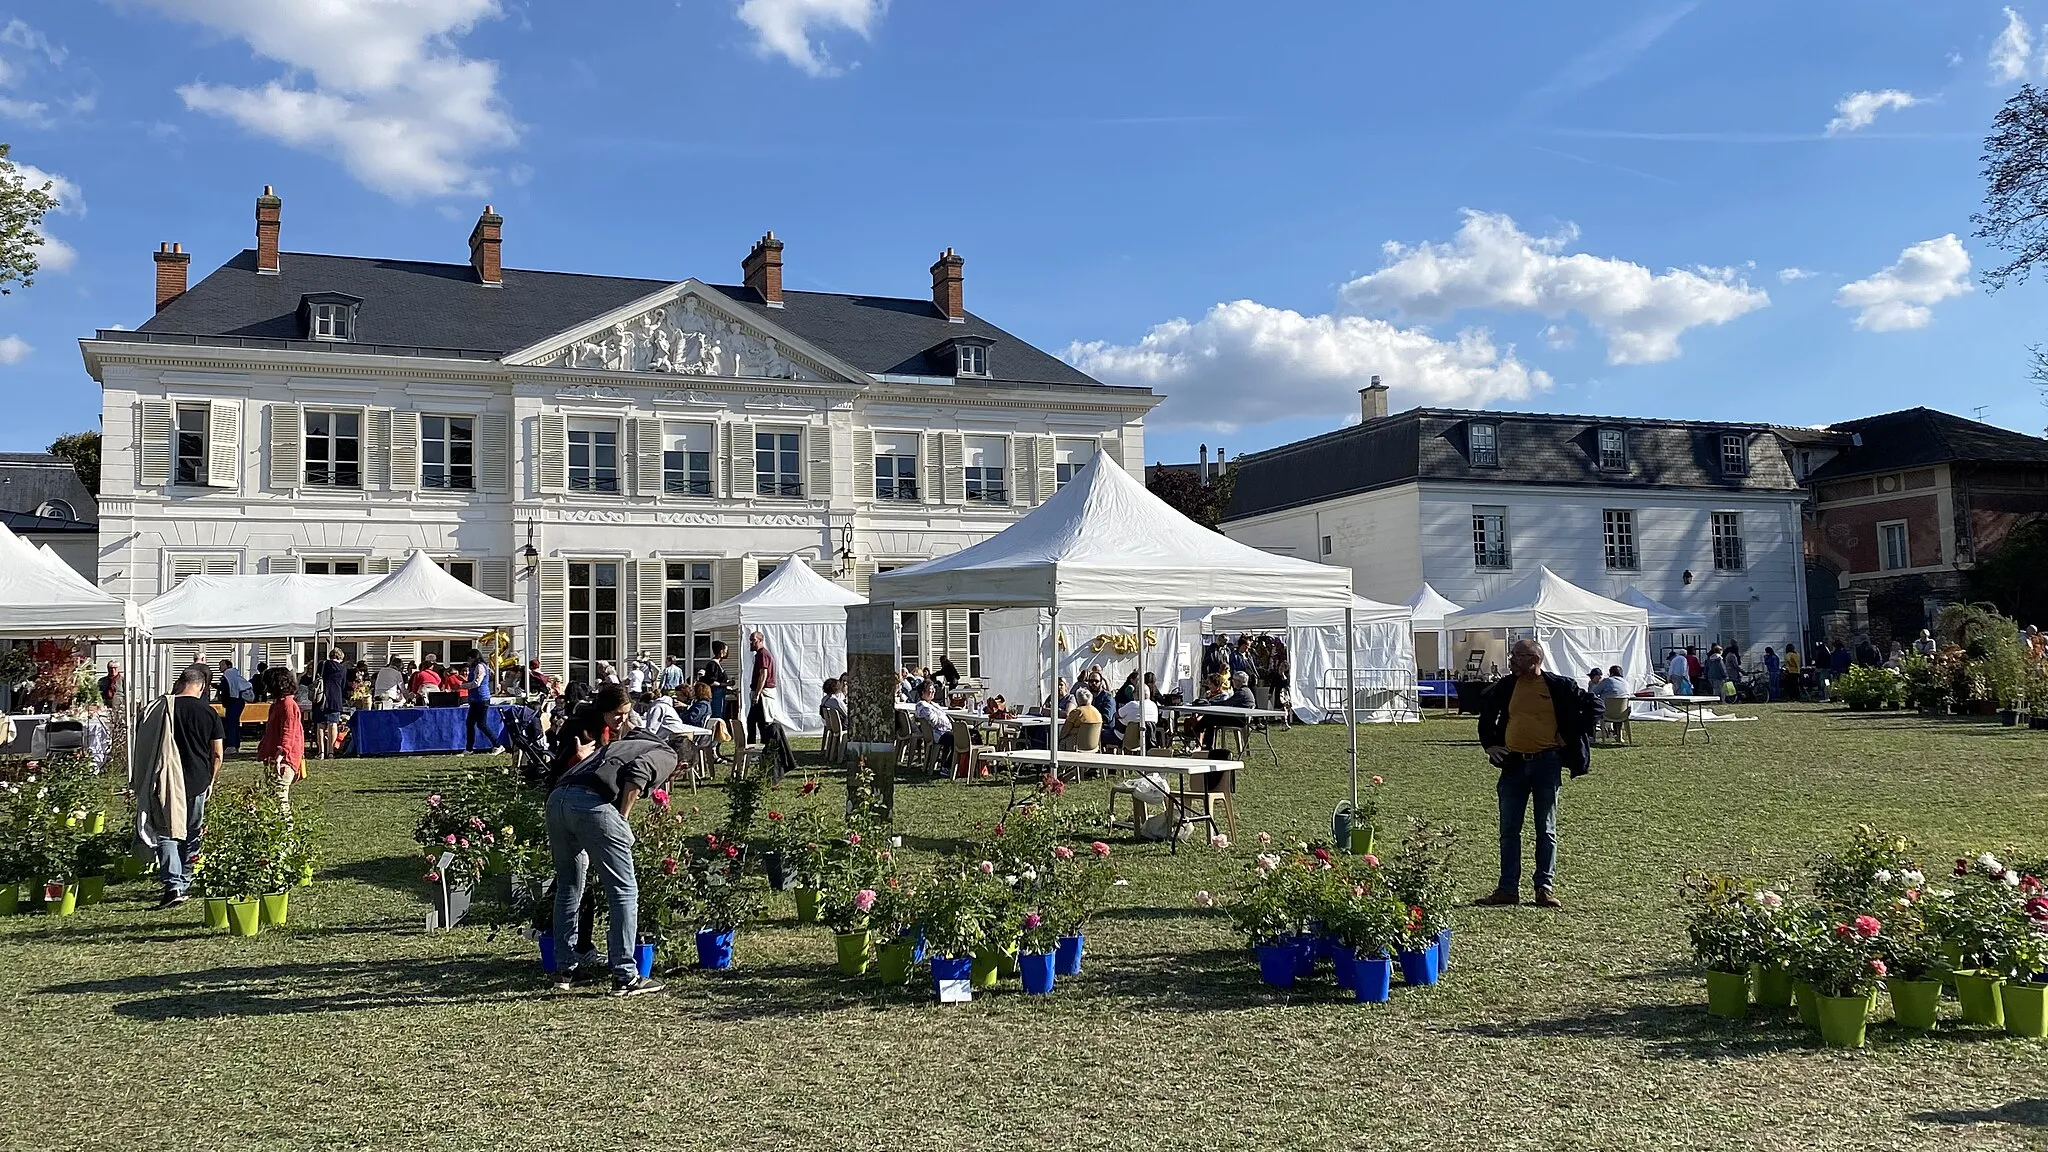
[589,823]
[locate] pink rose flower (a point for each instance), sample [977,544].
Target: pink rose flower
[1867,926]
[1877,968]
[433,877]
[864,901]
[449,839]
[1371,861]
[853,838]
[433,801]
[1378,780]
[1033,920]
[669,866]
[1099,848]
[660,797]
[988,868]
[1063,852]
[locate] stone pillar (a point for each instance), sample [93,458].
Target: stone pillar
[871,695]
[1858,605]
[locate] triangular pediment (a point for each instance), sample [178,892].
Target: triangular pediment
[687,329]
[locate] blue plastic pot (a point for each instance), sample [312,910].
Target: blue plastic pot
[714,949]
[917,953]
[1341,959]
[643,955]
[1419,967]
[1304,957]
[1036,970]
[1443,951]
[547,953]
[1067,960]
[1373,979]
[1277,963]
[946,968]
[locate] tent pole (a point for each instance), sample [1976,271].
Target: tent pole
[1351,698]
[1052,742]
[1141,682]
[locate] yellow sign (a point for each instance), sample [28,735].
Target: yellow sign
[1123,643]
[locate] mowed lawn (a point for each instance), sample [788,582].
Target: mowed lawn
[354,1028]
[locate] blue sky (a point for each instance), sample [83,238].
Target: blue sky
[1729,209]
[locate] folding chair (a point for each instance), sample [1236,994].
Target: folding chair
[1615,720]
[833,745]
[923,743]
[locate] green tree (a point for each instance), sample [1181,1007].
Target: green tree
[21,224]
[83,450]
[1205,504]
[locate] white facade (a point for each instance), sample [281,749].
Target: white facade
[1395,538]
[647,497]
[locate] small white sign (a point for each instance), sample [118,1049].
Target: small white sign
[955,992]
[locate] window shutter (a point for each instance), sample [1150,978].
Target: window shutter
[224,444]
[494,452]
[826,568]
[732,577]
[287,446]
[930,476]
[739,459]
[953,459]
[818,443]
[494,577]
[153,438]
[376,565]
[863,578]
[405,451]
[554,615]
[1023,471]
[649,583]
[863,464]
[1045,455]
[551,474]
[645,449]
[956,635]
[277,654]
[377,448]
[281,564]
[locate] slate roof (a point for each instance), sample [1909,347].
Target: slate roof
[28,479]
[21,522]
[1430,444]
[1918,437]
[415,307]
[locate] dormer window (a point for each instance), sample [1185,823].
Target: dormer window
[1613,450]
[330,315]
[1482,443]
[1734,454]
[970,357]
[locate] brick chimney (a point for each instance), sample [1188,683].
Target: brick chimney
[269,211]
[762,269]
[173,265]
[948,293]
[1372,400]
[1202,469]
[484,241]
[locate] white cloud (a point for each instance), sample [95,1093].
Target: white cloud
[1493,264]
[1788,275]
[70,201]
[1559,336]
[1858,110]
[1244,363]
[1902,296]
[785,27]
[13,349]
[2011,50]
[391,96]
[21,35]
[33,113]
[55,255]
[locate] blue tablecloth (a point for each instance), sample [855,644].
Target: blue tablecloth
[395,730]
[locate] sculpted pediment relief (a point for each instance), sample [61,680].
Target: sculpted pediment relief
[687,336]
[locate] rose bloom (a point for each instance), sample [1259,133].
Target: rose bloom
[1371,861]
[1867,926]
[1063,852]
[1378,780]
[669,866]
[1877,968]
[1204,900]
[1099,848]
[988,868]
[1219,841]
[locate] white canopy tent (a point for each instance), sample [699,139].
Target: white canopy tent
[281,605]
[419,599]
[1105,544]
[802,617]
[43,598]
[1577,629]
[1384,642]
[1428,608]
[1663,617]
[1014,650]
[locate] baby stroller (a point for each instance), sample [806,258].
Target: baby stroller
[532,754]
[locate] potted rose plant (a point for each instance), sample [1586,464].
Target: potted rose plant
[1423,876]
[1844,969]
[1771,920]
[1080,880]
[1369,923]
[894,922]
[1912,958]
[1724,942]
[721,904]
[1979,919]
[1269,910]
[2025,998]
[1037,947]
[950,914]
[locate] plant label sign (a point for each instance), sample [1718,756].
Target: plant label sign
[955,991]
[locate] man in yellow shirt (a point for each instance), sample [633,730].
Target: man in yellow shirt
[1535,727]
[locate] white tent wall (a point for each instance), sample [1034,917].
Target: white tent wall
[804,654]
[1385,669]
[1014,656]
[1578,630]
[1575,651]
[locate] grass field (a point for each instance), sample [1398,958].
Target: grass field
[130,1029]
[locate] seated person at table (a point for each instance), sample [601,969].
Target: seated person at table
[909,684]
[1081,730]
[452,679]
[997,708]
[1593,678]
[1241,692]
[1611,684]
[389,685]
[834,700]
[1129,691]
[1063,698]
[1144,712]
[928,708]
[425,680]
[661,720]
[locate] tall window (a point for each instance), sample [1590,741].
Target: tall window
[448,452]
[1489,536]
[332,567]
[189,445]
[688,593]
[896,466]
[1734,454]
[593,618]
[1484,442]
[593,456]
[974,645]
[1069,457]
[1892,552]
[1728,542]
[330,322]
[778,463]
[1618,533]
[909,629]
[463,570]
[1613,449]
[686,461]
[334,449]
[985,464]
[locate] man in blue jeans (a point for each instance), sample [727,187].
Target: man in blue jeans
[479,718]
[1535,727]
[589,822]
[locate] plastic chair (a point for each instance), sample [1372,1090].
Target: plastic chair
[1615,719]
[833,744]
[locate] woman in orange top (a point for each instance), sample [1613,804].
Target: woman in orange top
[283,749]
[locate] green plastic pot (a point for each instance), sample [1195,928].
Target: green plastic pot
[987,965]
[1728,994]
[96,824]
[807,905]
[1979,994]
[2026,1008]
[245,916]
[1006,962]
[37,886]
[1773,985]
[276,907]
[10,899]
[91,890]
[305,875]
[853,951]
[216,912]
[1843,1019]
[129,867]
[896,959]
[60,898]
[1809,1007]
[1914,1002]
[1361,841]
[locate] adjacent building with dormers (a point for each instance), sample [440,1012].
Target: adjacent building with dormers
[615,453]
